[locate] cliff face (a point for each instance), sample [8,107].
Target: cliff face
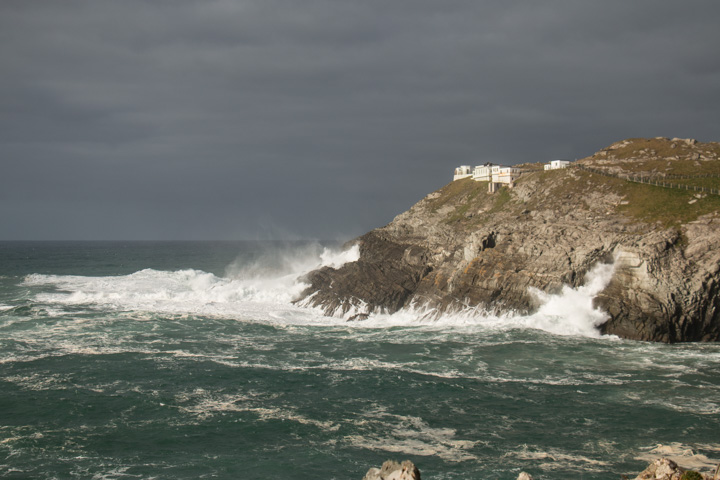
[462,247]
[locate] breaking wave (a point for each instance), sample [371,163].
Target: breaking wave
[262,289]
[265,288]
[569,312]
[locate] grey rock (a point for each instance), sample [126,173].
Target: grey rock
[661,469]
[372,474]
[392,470]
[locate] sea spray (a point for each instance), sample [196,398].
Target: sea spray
[569,312]
[265,286]
[336,259]
[272,281]
[290,261]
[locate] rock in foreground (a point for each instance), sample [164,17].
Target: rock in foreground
[391,470]
[660,469]
[666,469]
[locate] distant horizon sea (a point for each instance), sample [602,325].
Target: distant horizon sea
[187,360]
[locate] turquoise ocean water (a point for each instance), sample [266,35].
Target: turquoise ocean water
[187,360]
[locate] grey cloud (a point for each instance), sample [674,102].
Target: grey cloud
[225,118]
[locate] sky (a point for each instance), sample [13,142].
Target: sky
[320,119]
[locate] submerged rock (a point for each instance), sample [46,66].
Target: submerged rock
[461,248]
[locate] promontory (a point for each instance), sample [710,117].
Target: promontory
[650,206]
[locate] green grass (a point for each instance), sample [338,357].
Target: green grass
[501,198]
[461,210]
[693,182]
[455,191]
[645,203]
[666,206]
[691,475]
[474,199]
[651,155]
[467,195]
[471,205]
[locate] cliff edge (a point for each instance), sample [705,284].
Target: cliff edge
[463,247]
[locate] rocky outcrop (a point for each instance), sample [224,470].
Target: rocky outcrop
[666,469]
[391,470]
[660,469]
[463,248]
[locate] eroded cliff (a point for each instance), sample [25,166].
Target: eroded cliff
[462,247]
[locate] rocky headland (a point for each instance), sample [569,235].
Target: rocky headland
[462,247]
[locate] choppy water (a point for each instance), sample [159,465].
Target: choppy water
[187,360]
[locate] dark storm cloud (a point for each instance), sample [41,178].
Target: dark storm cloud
[244,119]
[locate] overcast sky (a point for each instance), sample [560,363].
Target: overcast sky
[253,119]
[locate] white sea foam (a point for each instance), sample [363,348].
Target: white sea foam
[257,291]
[686,456]
[336,259]
[205,404]
[409,435]
[555,459]
[264,289]
[569,312]
[290,262]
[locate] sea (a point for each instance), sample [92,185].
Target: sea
[189,360]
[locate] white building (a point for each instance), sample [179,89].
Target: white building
[556,164]
[505,175]
[495,175]
[462,171]
[483,173]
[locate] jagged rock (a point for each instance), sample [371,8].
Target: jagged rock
[661,469]
[372,474]
[547,232]
[716,476]
[392,470]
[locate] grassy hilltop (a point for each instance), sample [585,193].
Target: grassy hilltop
[537,189]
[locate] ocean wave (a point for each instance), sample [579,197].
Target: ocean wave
[568,313]
[265,294]
[183,291]
[689,456]
[255,292]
